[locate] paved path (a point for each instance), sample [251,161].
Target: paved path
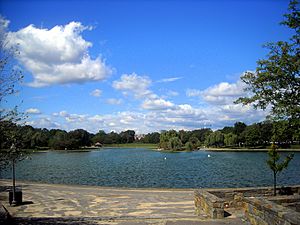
[70,204]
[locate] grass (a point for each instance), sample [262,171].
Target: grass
[132,145]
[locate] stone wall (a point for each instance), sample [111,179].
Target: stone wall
[259,204]
[212,205]
[260,211]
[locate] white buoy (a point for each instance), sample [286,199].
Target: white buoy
[208,156]
[165,158]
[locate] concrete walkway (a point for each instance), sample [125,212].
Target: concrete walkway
[71,204]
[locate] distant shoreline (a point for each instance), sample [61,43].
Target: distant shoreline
[155,148]
[246,150]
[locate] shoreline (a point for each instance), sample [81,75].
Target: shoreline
[21,183]
[246,150]
[162,150]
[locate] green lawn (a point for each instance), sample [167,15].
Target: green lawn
[132,145]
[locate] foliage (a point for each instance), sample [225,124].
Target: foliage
[127,136]
[230,139]
[189,146]
[10,76]
[215,139]
[174,144]
[151,138]
[12,146]
[276,166]
[276,82]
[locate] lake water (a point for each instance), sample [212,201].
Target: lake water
[148,168]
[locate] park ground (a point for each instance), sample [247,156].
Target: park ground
[74,204]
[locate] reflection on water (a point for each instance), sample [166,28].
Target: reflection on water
[147,168]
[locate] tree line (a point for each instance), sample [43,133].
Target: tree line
[257,135]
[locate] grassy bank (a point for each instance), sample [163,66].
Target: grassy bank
[249,149]
[132,145]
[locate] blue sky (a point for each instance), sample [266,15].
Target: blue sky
[142,65]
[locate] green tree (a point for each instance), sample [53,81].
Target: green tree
[189,146]
[174,144]
[230,139]
[276,166]
[10,77]
[59,140]
[78,138]
[252,135]
[127,136]
[276,81]
[99,137]
[165,136]
[195,142]
[215,139]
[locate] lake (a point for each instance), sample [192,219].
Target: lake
[147,168]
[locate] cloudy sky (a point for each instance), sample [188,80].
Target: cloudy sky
[142,65]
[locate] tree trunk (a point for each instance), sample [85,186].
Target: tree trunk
[14,182]
[274,183]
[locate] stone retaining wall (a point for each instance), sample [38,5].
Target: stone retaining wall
[260,211]
[212,205]
[259,205]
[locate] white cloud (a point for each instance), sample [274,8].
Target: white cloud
[171,79]
[44,123]
[135,84]
[96,93]
[114,101]
[33,111]
[224,93]
[157,104]
[193,93]
[58,55]
[162,115]
[220,94]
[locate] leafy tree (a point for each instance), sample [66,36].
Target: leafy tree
[112,138]
[201,134]
[184,136]
[10,76]
[79,138]
[40,138]
[230,139]
[195,142]
[151,138]
[227,130]
[215,139]
[276,81]
[189,146]
[252,135]
[99,137]
[13,154]
[59,140]
[276,166]
[165,136]
[174,144]
[127,136]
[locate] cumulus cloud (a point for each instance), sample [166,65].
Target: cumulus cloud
[96,93]
[33,111]
[219,94]
[135,84]
[58,55]
[157,104]
[44,123]
[223,93]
